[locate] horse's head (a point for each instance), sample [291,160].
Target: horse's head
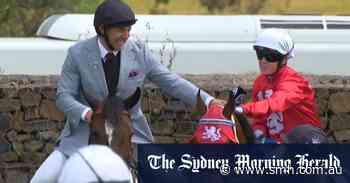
[244,129]
[111,123]
[218,124]
[116,112]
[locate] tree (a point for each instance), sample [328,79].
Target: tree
[158,7]
[237,6]
[23,17]
[254,6]
[219,5]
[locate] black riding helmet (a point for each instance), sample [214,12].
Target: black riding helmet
[113,13]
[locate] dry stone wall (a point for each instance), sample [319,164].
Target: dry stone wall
[30,122]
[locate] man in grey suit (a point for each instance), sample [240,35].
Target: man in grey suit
[110,63]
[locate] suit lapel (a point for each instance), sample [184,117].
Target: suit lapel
[127,56]
[95,66]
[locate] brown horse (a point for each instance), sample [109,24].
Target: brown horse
[111,123]
[241,129]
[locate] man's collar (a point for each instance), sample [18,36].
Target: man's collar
[103,50]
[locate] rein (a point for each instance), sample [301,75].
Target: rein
[235,128]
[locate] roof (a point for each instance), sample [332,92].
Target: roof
[179,28]
[206,28]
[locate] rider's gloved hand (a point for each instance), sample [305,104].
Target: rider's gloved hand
[238,94]
[236,98]
[238,110]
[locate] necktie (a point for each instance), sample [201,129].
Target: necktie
[109,57]
[111,67]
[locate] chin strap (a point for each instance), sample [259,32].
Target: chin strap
[279,67]
[281,64]
[106,40]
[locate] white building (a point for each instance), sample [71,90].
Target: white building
[201,44]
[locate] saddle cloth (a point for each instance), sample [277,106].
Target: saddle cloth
[214,128]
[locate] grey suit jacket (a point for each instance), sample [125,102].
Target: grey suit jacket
[83,69]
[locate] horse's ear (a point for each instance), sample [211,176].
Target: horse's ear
[133,99]
[201,107]
[229,107]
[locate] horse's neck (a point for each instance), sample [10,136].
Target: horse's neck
[123,132]
[97,119]
[97,130]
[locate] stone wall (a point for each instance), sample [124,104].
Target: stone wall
[30,122]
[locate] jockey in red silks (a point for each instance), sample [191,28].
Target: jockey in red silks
[283,106]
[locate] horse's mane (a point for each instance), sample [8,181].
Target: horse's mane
[246,128]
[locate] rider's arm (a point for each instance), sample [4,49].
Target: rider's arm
[68,90]
[259,124]
[171,83]
[286,94]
